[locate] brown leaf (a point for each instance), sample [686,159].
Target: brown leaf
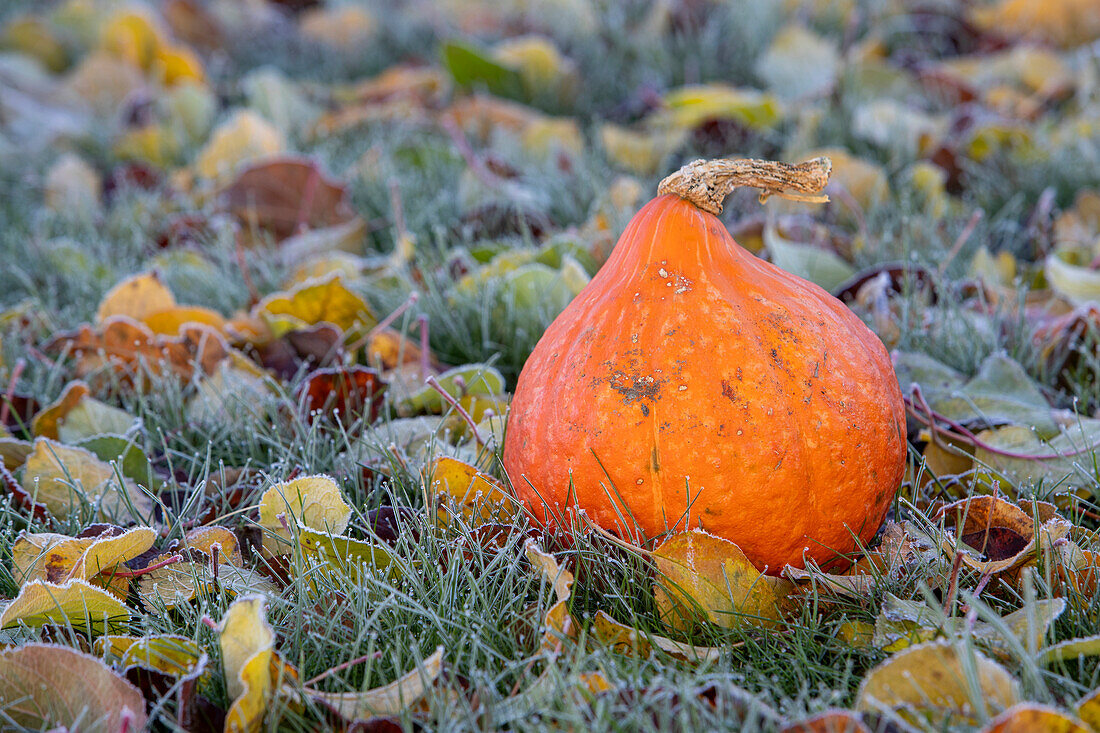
[286,195]
[132,351]
[344,394]
[47,686]
[997,535]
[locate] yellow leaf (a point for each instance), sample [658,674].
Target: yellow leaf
[1030,716]
[348,27]
[314,501]
[704,572]
[629,641]
[1065,23]
[253,671]
[690,106]
[242,138]
[1088,708]
[33,37]
[558,624]
[204,539]
[391,699]
[168,654]
[132,37]
[318,301]
[176,64]
[59,558]
[1088,646]
[933,680]
[641,152]
[76,602]
[63,477]
[156,143]
[168,322]
[475,495]
[137,297]
[342,554]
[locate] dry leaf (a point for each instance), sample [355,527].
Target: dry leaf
[131,350]
[1029,716]
[285,196]
[44,686]
[701,572]
[314,501]
[829,721]
[137,296]
[558,624]
[391,699]
[243,138]
[75,602]
[58,558]
[475,495]
[316,301]
[931,682]
[254,672]
[64,477]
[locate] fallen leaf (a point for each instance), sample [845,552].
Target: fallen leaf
[53,687]
[243,138]
[558,625]
[128,348]
[1065,23]
[314,501]
[75,602]
[345,394]
[58,558]
[459,382]
[313,302]
[829,721]
[995,536]
[254,673]
[64,478]
[1071,649]
[629,641]
[1029,716]
[137,296]
[799,63]
[391,699]
[1088,709]
[285,196]
[933,682]
[701,572]
[75,415]
[475,495]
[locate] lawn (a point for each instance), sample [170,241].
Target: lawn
[271,272]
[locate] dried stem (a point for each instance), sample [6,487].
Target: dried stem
[706,183]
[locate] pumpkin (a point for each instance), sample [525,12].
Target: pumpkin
[694,385]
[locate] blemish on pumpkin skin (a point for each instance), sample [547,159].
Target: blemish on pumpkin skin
[635,388]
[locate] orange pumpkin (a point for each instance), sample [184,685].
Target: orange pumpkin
[691,384]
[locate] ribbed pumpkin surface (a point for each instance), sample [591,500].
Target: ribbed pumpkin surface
[712,390]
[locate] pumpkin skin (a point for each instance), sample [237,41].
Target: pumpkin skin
[688,364]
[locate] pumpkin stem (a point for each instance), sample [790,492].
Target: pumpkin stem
[706,183]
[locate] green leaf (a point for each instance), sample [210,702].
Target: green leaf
[471,66]
[817,265]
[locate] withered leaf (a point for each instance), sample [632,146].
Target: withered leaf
[286,195]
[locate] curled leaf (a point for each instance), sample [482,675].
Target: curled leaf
[701,572]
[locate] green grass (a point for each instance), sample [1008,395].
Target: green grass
[486,607]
